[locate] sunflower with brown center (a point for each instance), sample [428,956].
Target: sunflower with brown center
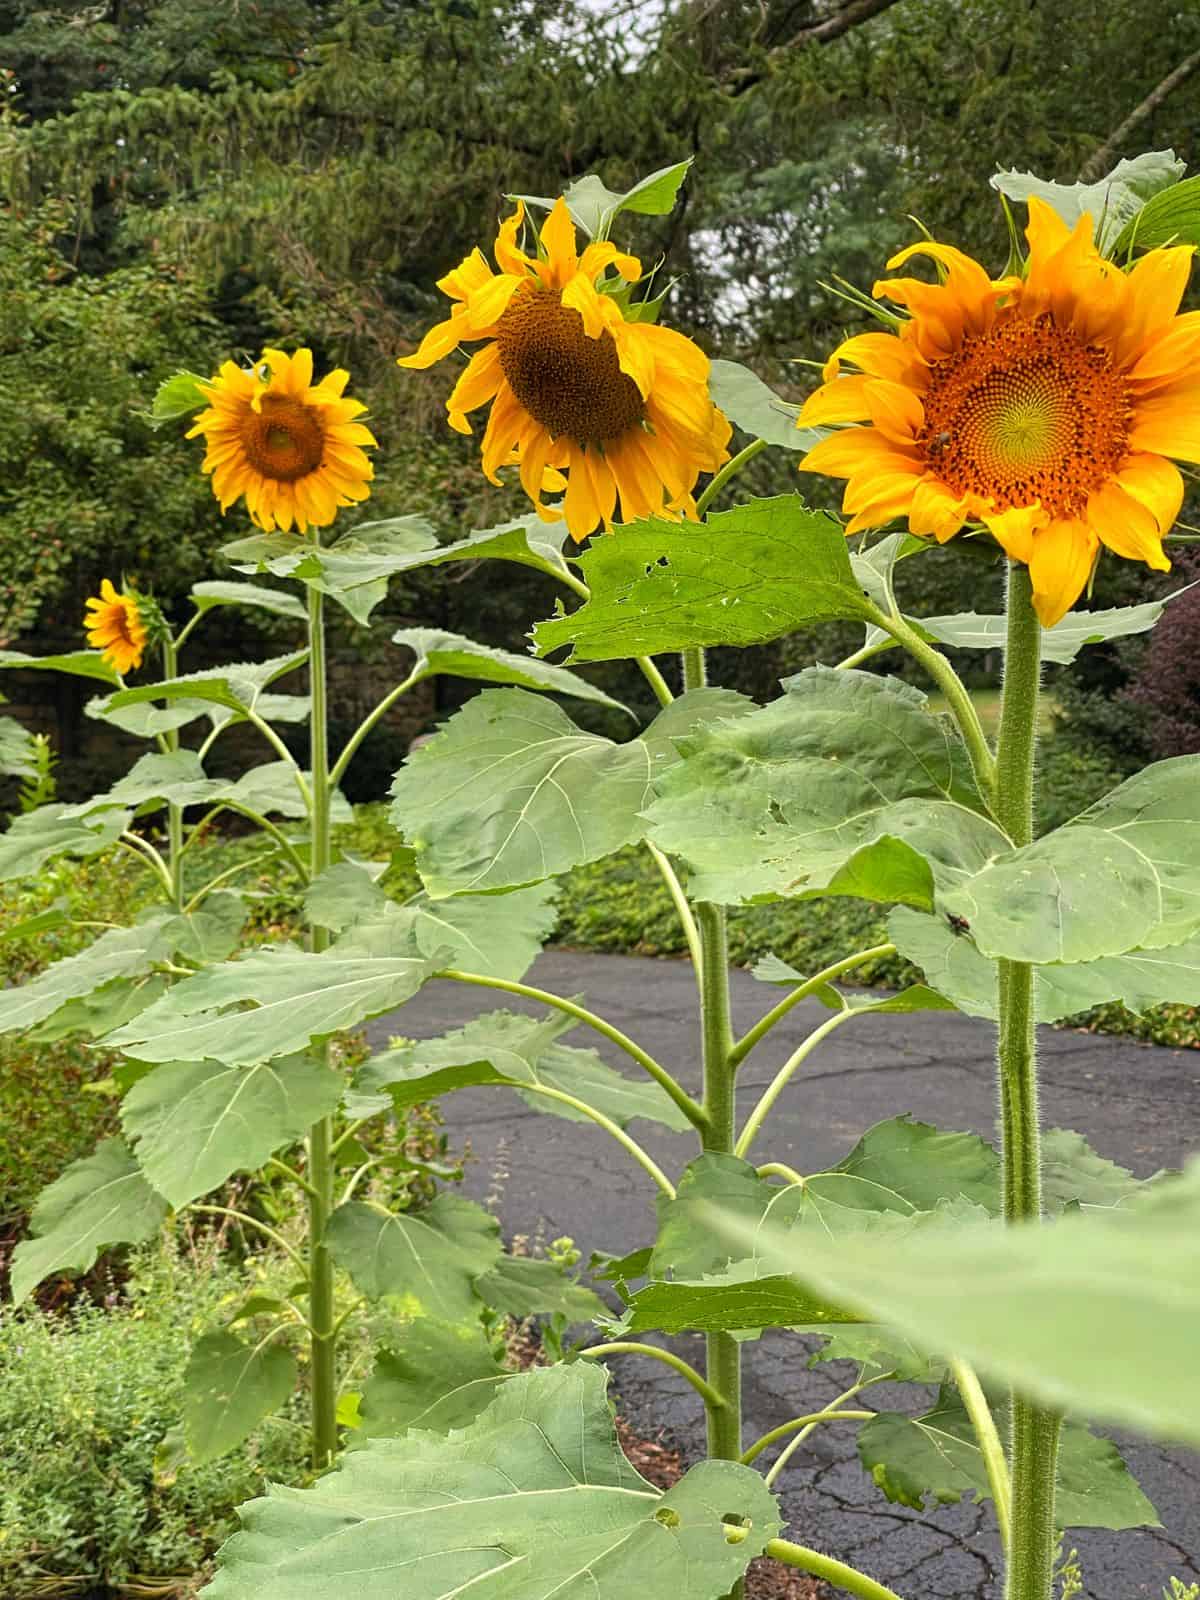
[292,447]
[621,409]
[115,626]
[1043,407]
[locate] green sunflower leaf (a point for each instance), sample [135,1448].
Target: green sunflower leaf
[425,1260]
[228,1388]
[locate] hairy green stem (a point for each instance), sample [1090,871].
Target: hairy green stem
[170,654]
[780,1081]
[794,996]
[1035,1429]
[958,697]
[320,1135]
[691,1110]
[627,1141]
[990,1447]
[631,1347]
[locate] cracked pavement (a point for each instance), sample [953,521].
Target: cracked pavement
[1137,1104]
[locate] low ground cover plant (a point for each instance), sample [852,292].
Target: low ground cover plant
[1032,418]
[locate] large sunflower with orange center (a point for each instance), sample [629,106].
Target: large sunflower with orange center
[1044,406]
[115,626]
[620,408]
[292,447]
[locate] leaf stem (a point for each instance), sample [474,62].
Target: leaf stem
[748,1040]
[789,1450]
[367,723]
[691,1110]
[262,1227]
[642,1157]
[145,852]
[1035,1430]
[779,1082]
[831,1414]
[958,698]
[731,468]
[632,1347]
[680,900]
[779,1169]
[170,654]
[290,1174]
[834,1572]
[203,892]
[984,1424]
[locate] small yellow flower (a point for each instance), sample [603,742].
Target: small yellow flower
[115,625]
[1044,407]
[292,447]
[616,410]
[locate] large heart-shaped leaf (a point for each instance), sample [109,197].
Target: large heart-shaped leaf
[1113,203]
[79,663]
[194,1123]
[99,1201]
[844,785]
[296,995]
[440,1376]
[1095,1314]
[511,792]
[526,1286]
[593,205]
[747,576]
[938,1454]
[532,1499]
[228,1388]
[750,405]
[428,1260]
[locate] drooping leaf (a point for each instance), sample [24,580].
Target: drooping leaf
[228,1388]
[1095,1314]
[79,663]
[844,785]
[452,655]
[38,836]
[175,775]
[937,1454]
[99,1201]
[519,1051]
[511,792]
[95,1014]
[524,1286]
[1112,203]
[194,1123]
[426,1260]
[755,409]
[1060,644]
[565,1512]
[117,953]
[748,576]
[17,758]
[439,1377]
[297,996]
[1136,853]
[236,687]
[224,593]
[354,570]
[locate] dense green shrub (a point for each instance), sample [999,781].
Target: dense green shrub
[85,1401]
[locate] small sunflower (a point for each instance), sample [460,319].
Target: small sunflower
[620,408]
[115,625]
[1044,407]
[290,446]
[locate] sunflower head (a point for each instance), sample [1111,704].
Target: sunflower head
[615,410]
[292,447]
[1042,407]
[119,624]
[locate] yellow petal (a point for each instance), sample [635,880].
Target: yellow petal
[558,240]
[1154,288]
[855,450]
[509,256]
[896,411]
[480,379]
[603,253]
[1154,483]
[1126,526]
[1064,553]
[842,400]
[1015,528]
[438,342]
[883,355]
[1168,424]
[580,295]
[935,510]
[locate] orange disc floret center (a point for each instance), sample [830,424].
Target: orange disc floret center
[284,440]
[1026,412]
[568,382]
